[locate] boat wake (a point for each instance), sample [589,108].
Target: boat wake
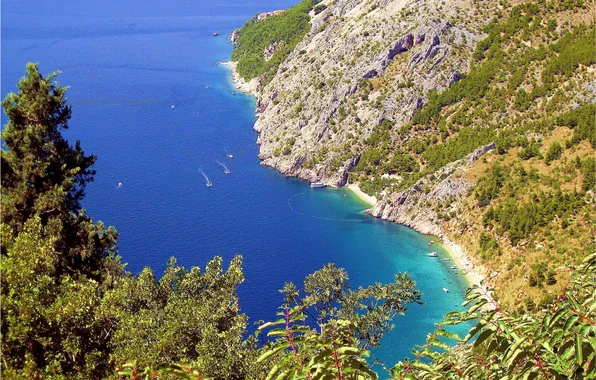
[207,180]
[320,217]
[226,170]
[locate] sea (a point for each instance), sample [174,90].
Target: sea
[149,99]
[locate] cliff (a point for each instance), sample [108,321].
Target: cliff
[314,117]
[474,122]
[411,206]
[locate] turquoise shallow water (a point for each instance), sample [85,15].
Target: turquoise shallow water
[127,64]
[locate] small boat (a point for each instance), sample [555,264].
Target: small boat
[317,184]
[445,259]
[431,243]
[119,184]
[453,267]
[172,106]
[230,155]
[207,180]
[433,254]
[215,34]
[446,290]
[225,168]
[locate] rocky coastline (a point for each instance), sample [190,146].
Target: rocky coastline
[412,55]
[398,208]
[248,87]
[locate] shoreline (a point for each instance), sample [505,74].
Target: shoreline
[454,251]
[463,262]
[249,87]
[368,199]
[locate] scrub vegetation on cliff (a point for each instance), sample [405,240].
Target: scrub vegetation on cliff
[480,128]
[280,33]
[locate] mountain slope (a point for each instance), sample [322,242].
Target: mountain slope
[393,95]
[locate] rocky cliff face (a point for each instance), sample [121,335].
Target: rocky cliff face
[413,206]
[362,62]
[341,107]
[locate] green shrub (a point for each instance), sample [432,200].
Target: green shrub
[289,27]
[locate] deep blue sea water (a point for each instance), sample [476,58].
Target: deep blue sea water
[128,63]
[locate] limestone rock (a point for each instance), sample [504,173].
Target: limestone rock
[413,206]
[313,112]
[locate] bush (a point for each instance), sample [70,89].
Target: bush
[554,152]
[289,27]
[320,8]
[583,121]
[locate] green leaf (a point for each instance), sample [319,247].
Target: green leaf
[284,375]
[269,324]
[474,330]
[484,335]
[277,332]
[447,334]
[274,370]
[437,343]
[578,349]
[570,322]
[273,351]
[348,351]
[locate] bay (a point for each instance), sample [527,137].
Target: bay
[149,100]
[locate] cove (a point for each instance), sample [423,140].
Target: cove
[149,100]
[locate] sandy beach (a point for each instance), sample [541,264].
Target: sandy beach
[462,261]
[362,195]
[456,253]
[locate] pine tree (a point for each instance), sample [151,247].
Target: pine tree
[56,262]
[43,175]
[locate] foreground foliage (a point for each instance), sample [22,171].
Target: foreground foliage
[68,308]
[326,333]
[56,263]
[559,342]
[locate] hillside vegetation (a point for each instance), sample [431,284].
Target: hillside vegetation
[398,108]
[283,31]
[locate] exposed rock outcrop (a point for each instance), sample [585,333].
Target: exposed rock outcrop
[413,207]
[250,87]
[234,36]
[271,49]
[406,47]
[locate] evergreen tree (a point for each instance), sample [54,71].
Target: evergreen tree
[68,310]
[56,263]
[43,175]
